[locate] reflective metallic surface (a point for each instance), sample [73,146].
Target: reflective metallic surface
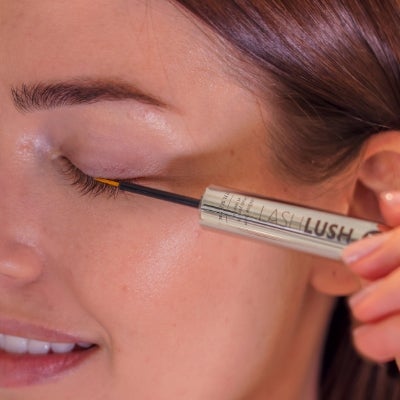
[295,227]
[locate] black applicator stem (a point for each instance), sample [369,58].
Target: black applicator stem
[159,194]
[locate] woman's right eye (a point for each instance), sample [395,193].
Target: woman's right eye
[85,183]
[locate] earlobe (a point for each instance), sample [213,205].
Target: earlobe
[333,278]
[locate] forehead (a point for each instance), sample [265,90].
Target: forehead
[151,43]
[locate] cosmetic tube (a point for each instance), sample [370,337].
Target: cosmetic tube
[296,227]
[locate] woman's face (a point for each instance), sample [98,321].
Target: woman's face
[132,90]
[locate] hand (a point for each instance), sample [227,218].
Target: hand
[377,305]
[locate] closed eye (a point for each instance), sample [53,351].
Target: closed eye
[85,183]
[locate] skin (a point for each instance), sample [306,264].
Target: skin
[376,306]
[177,311]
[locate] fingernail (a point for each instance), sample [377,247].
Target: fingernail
[392,198]
[363,247]
[357,298]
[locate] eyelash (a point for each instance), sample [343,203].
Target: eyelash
[85,183]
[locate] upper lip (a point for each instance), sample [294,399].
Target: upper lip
[33,331]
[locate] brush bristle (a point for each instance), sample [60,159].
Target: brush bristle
[108,182]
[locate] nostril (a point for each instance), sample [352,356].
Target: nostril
[20,262]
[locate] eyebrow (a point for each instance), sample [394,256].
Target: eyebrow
[44,96]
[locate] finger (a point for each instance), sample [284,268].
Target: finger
[379,341]
[378,299]
[374,257]
[389,203]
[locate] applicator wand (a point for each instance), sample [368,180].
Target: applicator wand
[284,224]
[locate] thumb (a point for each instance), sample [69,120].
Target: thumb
[389,203]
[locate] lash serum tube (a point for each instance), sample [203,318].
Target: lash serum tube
[295,227]
[283,224]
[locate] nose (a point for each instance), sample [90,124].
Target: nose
[21,201]
[21,259]
[22,205]
[20,263]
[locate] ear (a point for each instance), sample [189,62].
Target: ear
[377,171]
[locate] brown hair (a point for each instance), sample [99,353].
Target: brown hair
[334,66]
[332,69]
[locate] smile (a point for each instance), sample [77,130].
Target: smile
[20,345]
[45,355]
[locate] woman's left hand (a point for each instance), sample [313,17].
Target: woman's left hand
[376,260]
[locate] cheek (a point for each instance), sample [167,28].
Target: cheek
[172,296]
[168,258]
[132,256]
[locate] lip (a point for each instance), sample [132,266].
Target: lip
[18,370]
[32,331]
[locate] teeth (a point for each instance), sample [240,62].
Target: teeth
[38,347]
[14,344]
[84,345]
[62,347]
[20,345]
